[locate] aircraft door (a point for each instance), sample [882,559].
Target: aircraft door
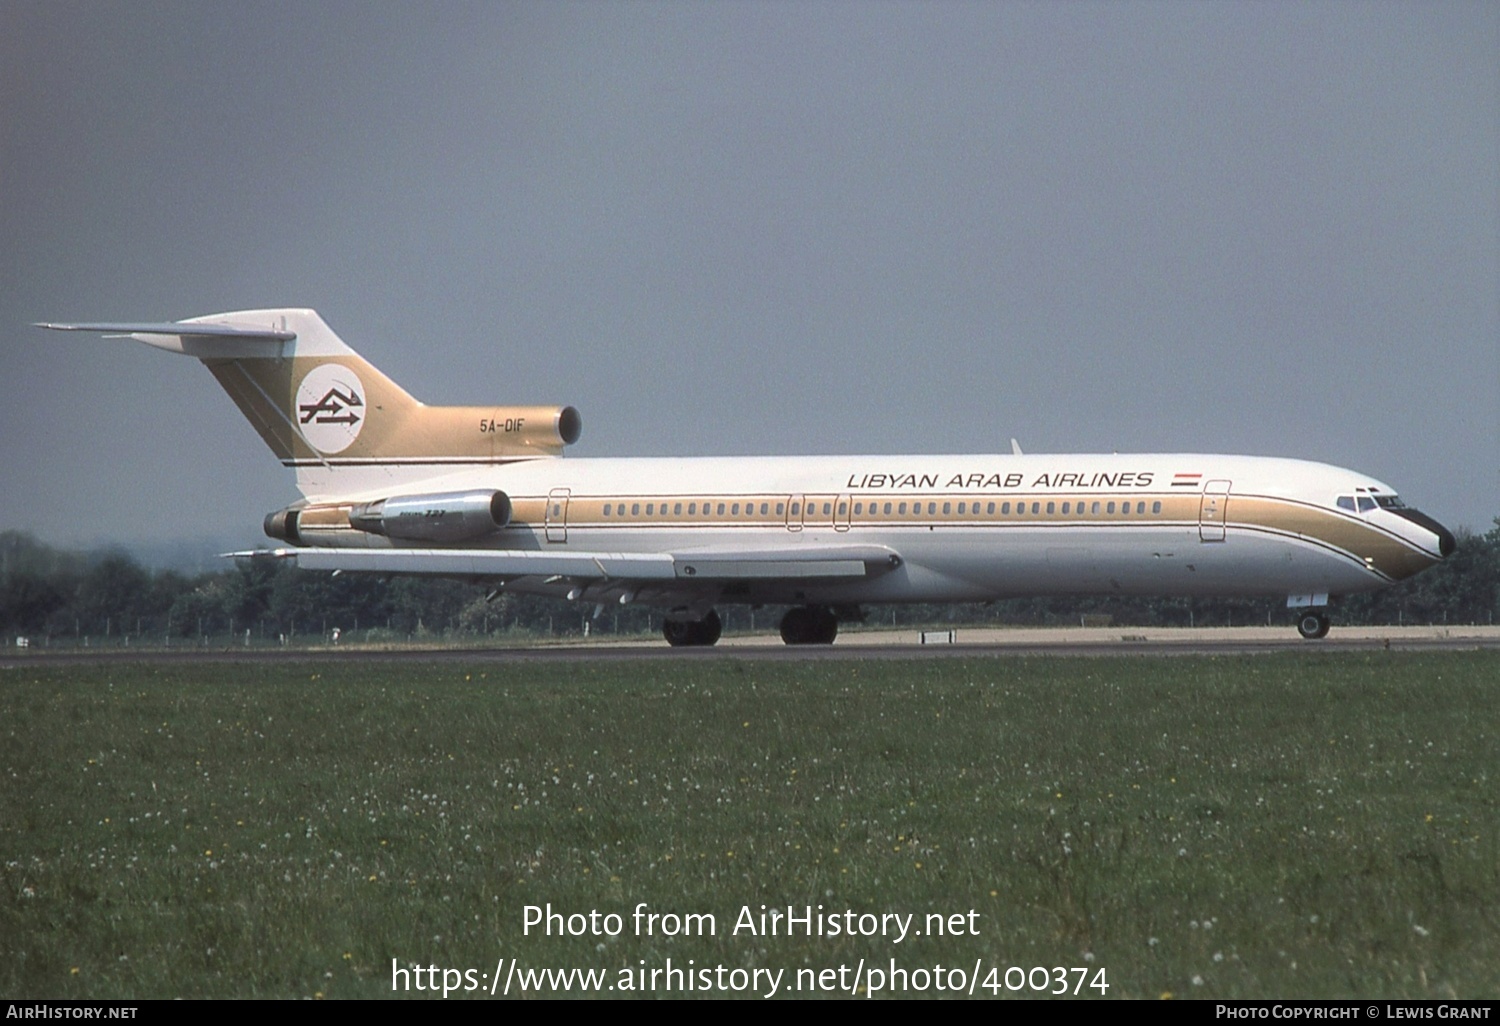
[794,512]
[556,517]
[1212,510]
[818,510]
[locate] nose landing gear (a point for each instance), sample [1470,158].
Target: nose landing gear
[1312,624]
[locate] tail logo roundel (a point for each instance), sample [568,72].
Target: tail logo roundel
[330,407]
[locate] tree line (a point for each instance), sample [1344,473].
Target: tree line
[54,596]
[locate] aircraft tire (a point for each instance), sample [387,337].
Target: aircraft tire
[825,626]
[679,633]
[809,625]
[796,626]
[1312,624]
[693,633]
[708,629]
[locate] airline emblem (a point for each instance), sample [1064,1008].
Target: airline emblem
[330,407]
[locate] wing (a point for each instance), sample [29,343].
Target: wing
[826,562]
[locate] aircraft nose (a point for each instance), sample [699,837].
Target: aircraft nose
[1446,542]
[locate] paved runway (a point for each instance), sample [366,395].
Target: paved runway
[888,644]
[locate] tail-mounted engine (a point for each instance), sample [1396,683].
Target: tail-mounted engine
[440,517]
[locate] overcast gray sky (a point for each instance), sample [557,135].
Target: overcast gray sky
[744,228]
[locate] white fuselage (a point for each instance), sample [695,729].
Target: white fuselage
[965,527]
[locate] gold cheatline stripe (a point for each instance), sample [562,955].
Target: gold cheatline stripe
[1371,547]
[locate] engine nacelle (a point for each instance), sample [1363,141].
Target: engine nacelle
[282,525]
[440,517]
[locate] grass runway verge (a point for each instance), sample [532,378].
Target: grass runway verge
[1269,826]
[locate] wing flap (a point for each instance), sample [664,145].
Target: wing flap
[810,562]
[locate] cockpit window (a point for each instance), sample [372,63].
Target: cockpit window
[1366,504]
[1346,502]
[1390,502]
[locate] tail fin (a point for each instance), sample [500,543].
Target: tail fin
[328,413]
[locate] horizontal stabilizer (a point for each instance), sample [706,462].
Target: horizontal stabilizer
[179,328]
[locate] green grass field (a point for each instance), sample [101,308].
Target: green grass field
[1297,825]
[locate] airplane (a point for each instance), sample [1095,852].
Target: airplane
[480,493]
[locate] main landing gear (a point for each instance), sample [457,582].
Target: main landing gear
[809,625]
[1312,624]
[693,633]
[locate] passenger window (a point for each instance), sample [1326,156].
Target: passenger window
[859,508]
[1096,507]
[843,508]
[888,509]
[827,509]
[1036,507]
[721,509]
[692,509]
[992,507]
[606,509]
[780,508]
[649,506]
[947,508]
[1005,509]
[765,508]
[961,508]
[635,509]
[1067,508]
[1156,507]
[1051,507]
[1140,507]
[735,509]
[677,509]
[901,508]
[796,508]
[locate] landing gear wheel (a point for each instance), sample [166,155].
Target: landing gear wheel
[796,626]
[809,625]
[1312,624]
[825,626]
[709,629]
[693,633]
